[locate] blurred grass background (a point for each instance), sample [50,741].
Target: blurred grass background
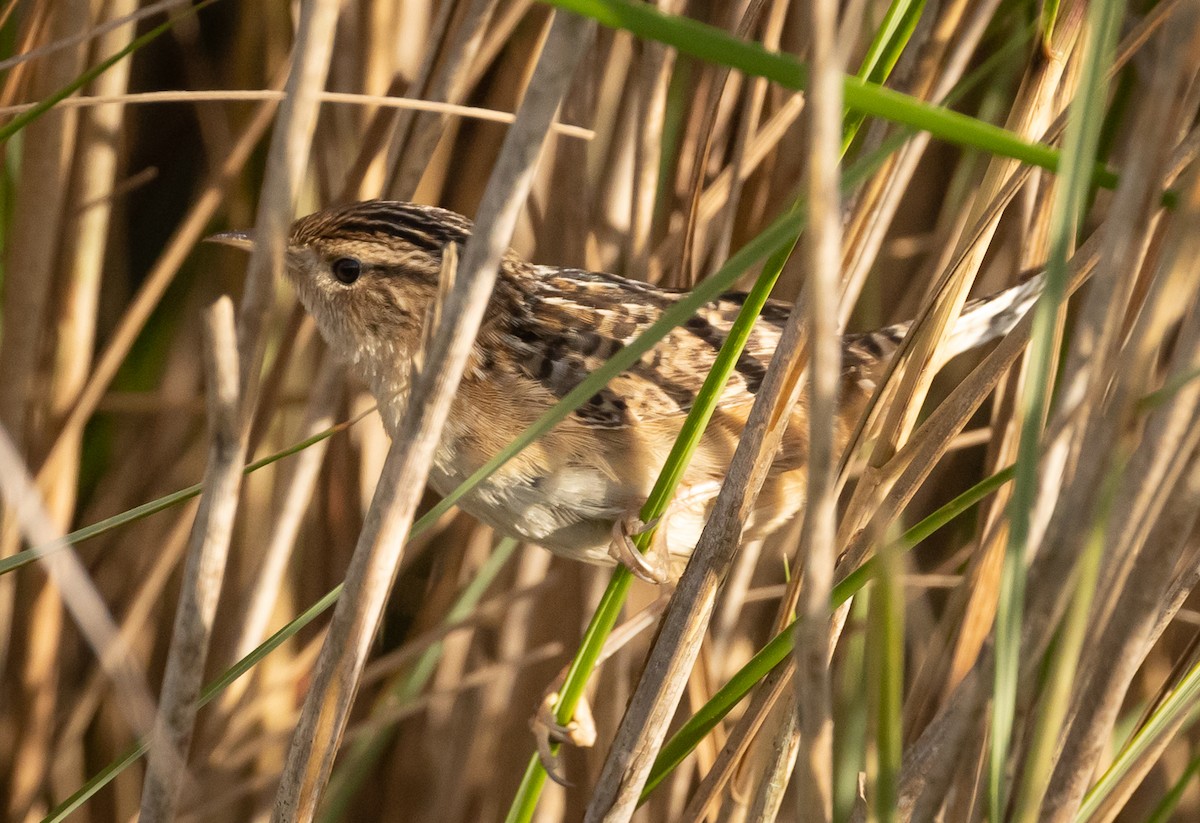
[669,164]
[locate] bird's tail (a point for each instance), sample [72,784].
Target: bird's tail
[990,318]
[981,321]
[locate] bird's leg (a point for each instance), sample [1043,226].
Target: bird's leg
[581,730]
[655,565]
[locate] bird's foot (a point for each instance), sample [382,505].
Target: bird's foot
[580,731]
[653,566]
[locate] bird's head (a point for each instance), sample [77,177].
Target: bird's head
[368,274]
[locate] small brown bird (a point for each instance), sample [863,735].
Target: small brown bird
[368,274]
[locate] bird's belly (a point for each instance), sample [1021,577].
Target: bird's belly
[569,510]
[565,494]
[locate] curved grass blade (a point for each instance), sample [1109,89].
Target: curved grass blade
[710,43]
[1164,720]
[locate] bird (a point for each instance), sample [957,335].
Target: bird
[368,273]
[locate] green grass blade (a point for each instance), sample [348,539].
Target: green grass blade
[885,49]
[890,39]
[718,46]
[1081,142]
[885,651]
[1164,720]
[851,715]
[1059,679]
[98,782]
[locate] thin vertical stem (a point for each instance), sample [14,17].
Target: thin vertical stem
[814,762]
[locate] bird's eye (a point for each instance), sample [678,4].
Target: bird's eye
[346,270]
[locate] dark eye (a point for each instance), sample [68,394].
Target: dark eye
[346,270]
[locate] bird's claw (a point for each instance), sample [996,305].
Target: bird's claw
[580,731]
[654,565]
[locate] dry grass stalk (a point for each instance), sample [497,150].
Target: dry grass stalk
[42,193]
[814,709]
[376,558]
[203,573]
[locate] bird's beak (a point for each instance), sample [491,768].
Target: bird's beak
[238,239]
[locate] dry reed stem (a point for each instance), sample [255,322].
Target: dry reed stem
[448,73]
[914,375]
[814,711]
[653,77]
[728,180]
[373,566]
[287,160]
[30,248]
[769,769]
[41,195]
[295,333]
[776,685]
[503,25]
[942,64]
[203,572]
[747,124]
[1170,437]
[295,493]
[707,128]
[74,315]
[90,33]
[1171,534]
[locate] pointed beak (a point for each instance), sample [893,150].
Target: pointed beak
[238,239]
